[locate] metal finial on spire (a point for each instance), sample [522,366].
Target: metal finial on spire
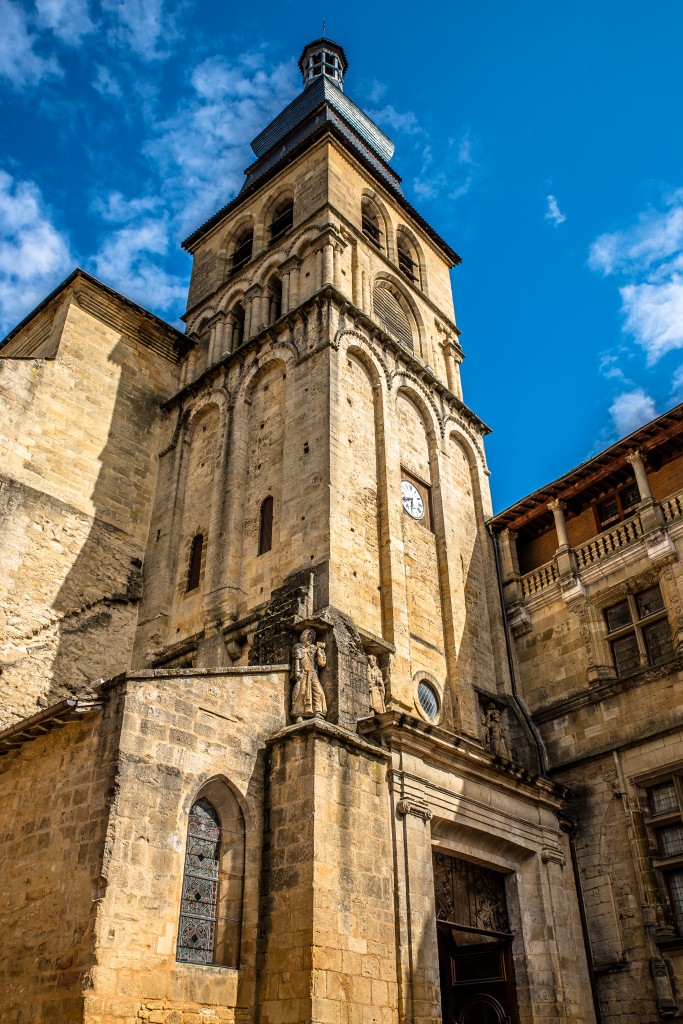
[324,28]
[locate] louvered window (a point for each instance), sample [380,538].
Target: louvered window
[392,316]
[406,263]
[242,251]
[282,220]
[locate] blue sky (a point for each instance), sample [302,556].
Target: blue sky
[543,141]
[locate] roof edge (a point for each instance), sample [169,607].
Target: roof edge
[79,273]
[550,490]
[325,129]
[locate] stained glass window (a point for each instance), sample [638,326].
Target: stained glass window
[199,906]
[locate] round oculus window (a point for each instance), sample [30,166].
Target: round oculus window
[429,699]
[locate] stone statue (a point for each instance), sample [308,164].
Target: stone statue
[494,735]
[376,685]
[308,696]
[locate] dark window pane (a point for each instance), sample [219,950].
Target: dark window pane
[618,615]
[670,840]
[630,496]
[282,221]
[265,539]
[242,251]
[626,654]
[608,511]
[675,880]
[663,798]
[649,601]
[658,642]
[194,569]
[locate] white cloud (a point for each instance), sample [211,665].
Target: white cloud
[34,255]
[202,150]
[654,315]
[389,117]
[141,25]
[553,213]
[115,207]
[68,19]
[126,262]
[631,409]
[105,84]
[19,62]
[650,254]
[453,172]
[677,387]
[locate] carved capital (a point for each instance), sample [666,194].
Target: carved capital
[417,807]
[293,263]
[634,457]
[557,506]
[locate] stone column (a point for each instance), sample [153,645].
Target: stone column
[557,508]
[318,269]
[252,298]
[328,262]
[636,460]
[290,291]
[452,358]
[508,554]
[356,278]
[211,353]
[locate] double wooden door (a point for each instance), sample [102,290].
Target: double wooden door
[477,981]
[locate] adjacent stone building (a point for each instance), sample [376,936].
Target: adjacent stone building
[278,746]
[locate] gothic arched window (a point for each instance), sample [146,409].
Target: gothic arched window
[210,924]
[199,904]
[194,568]
[265,533]
[283,219]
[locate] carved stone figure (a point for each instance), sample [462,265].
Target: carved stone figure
[376,685]
[308,696]
[494,734]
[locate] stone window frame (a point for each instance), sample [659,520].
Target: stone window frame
[661,820]
[638,627]
[426,677]
[229,903]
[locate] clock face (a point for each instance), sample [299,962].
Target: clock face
[412,500]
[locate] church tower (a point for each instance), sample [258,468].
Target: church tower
[320,459]
[309,792]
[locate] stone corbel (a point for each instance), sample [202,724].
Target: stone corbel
[549,855]
[419,808]
[519,620]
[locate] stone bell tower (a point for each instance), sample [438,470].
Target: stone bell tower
[320,462]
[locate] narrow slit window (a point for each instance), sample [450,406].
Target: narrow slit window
[265,536]
[194,569]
